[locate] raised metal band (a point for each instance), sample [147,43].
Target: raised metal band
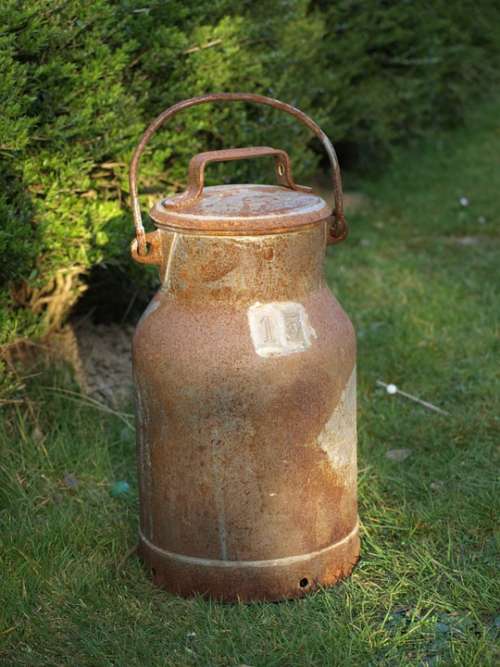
[274,562]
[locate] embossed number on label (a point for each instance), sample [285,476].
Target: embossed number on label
[279,328]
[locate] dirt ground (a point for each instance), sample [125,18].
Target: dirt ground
[104,363]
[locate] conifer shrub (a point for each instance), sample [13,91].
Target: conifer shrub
[79,81]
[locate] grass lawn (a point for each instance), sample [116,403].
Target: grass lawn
[419,277]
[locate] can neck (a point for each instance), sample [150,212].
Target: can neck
[247,269]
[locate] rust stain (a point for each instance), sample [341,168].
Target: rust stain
[221,262]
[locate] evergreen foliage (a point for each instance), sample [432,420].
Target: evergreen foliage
[80,80]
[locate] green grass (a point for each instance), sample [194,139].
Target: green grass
[425,306]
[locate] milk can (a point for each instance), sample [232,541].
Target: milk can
[245,380]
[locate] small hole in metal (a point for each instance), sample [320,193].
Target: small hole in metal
[281,169]
[304,583]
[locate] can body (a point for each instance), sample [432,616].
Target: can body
[244,367]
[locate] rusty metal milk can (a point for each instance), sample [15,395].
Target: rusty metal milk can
[244,367]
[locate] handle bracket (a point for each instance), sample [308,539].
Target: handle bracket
[152,249]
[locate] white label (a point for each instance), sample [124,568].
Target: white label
[279,328]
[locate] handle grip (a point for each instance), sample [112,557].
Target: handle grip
[196,176]
[338,229]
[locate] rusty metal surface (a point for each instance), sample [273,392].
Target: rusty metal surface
[337,227]
[241,210]
[244,367]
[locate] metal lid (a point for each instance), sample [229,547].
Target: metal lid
[242,209]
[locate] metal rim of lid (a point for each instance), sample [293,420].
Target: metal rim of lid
[251,209]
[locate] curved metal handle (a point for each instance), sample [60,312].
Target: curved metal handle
[196,177]
[338,229]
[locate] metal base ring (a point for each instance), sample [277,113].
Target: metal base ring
[232,581]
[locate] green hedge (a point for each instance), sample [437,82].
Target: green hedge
[80,80]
